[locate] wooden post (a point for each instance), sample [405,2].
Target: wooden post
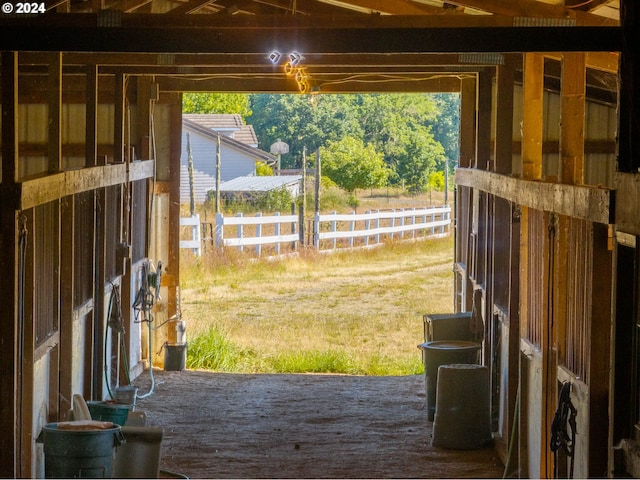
[219,236]
[532,120]
[352,227]
[10,382]
[277,233]
[54,142]
[503,144]
[483,133]
[303,204]
[467,122]
[572,115]
[119,119]
[91,132]
[218,165]
[258,235]
[318,180]
[240,233]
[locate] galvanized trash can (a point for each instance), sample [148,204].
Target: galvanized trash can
[444,352]
[80,449]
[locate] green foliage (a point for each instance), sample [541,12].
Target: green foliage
[416,133]
[446,126]
[436,181]
[277,200]
[263,170]
[212,350]
[300,123]
[216,103]
[352,164]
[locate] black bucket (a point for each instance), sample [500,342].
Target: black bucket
[175,356]
[79,453]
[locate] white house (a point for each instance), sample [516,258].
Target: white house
[238,151]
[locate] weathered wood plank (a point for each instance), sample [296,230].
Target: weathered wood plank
[52,187]
[627,212]
[589,203]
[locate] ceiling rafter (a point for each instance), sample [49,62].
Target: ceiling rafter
[190,7]
[388,7]
[128,6]
[532,8]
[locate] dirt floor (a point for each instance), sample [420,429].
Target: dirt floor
[301,426]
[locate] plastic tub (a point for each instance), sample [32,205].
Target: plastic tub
[109,412]
[85,453]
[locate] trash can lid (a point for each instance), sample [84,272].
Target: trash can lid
[449,345]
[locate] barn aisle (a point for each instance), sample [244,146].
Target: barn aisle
[301,426]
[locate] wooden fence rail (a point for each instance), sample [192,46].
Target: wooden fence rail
[330,231]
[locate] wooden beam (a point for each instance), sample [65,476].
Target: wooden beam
[10,353]
[572,117]
[365,85]
[533,79]
[53,187]
[263,38]
[589,203]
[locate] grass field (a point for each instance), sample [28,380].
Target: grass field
[357,312]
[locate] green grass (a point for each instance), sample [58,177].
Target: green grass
[357,312]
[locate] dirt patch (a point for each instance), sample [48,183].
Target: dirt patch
[301,426]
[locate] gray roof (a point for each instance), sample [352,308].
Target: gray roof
[229,124]
[256,153]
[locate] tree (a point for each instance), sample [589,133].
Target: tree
[216,103]
[302,121]
[352,164]
[263,170]
[446,126]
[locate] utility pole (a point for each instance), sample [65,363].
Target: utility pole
[303,204]
[218,162]
[192,200]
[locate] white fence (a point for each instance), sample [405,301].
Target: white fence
[372,227]
[330,231]
[195,243]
